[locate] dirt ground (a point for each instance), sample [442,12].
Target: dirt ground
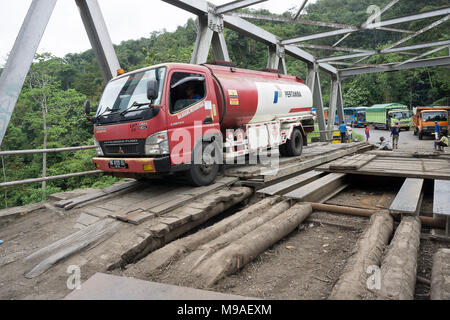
[23,237]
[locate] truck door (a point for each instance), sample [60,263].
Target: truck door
[192,112]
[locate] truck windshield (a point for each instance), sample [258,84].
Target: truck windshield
[361,115]
[400,114]
[434,116]
[121,93]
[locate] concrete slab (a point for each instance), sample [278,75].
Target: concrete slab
[103,286]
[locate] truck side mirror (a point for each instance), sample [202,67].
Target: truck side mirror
[152,89]
[87,107]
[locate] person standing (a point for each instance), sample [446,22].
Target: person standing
[436,130]
[349,134]
[367,131]
[395,132]
[343,131]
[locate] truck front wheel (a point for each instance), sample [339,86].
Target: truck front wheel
[205,172]
[420,135]
[294,146]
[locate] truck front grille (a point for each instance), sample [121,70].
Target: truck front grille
[120,148]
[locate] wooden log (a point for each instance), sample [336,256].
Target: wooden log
[212,205]
[352,284]
[440,275]
[207,250]
[11,213]
[237,254]
[43,259]
[399,266]
[164,255]
[438,223]
[342,209]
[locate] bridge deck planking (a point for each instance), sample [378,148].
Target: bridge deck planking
[441,199]
[318,189]
[437,168]
[408,198]
[292,183]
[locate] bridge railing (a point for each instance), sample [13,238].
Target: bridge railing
[35,151]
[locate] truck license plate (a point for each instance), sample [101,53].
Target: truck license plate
[118,164]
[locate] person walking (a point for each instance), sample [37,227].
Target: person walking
[395,133]
[367,131]
[437,129]
[343,131]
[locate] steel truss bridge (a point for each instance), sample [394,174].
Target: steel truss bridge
[212,19]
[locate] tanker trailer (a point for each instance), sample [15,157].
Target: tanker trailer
[164,119]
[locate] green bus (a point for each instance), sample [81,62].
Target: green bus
[384,116]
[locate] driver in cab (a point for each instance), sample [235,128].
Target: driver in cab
[191,94]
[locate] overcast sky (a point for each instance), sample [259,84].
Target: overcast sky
[126,19]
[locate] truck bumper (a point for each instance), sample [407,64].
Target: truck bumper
[134,165]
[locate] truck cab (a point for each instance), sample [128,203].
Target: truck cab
[425,118]
[402,116]
[164,119]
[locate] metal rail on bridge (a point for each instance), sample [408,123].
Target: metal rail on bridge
[36,151]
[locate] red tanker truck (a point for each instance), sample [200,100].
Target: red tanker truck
[181,117]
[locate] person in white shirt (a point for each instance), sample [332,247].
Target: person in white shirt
[349,133]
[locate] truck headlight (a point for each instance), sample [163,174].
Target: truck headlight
[157,144]
[98,148]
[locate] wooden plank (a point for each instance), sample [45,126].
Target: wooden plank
[318,189]
[175,202]
[397,167]
[409,197]
[167,200]
[97,211]
[333,193]
[441,198]
[352,163]
[160,196]
[20,211]
[124,187]
[292,183]
[288,165]
[304,165]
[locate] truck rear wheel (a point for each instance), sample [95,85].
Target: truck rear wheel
[283,150]
[205,173]
[294,146]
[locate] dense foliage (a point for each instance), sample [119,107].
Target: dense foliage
[49,111]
